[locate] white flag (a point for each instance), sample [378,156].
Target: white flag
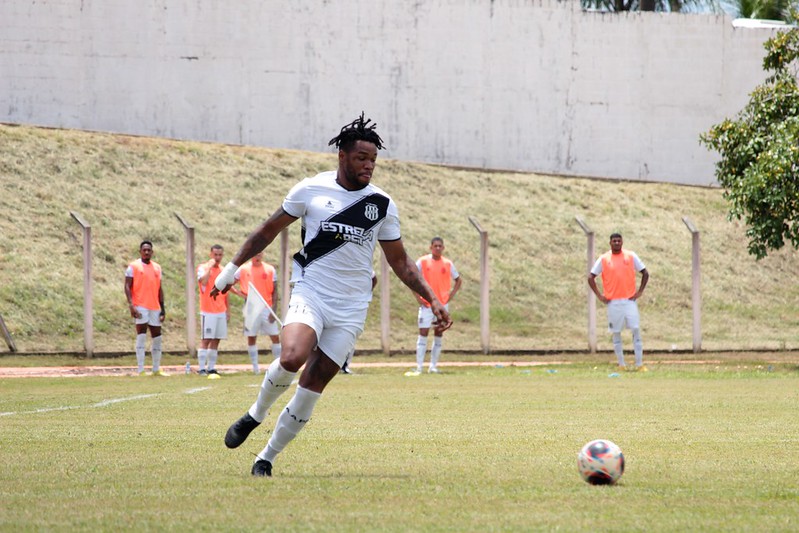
[254,306]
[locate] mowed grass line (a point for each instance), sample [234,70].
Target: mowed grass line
[473,449]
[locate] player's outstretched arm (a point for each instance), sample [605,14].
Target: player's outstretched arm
[256,242]
[405,269]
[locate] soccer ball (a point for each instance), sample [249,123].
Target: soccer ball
[600,462]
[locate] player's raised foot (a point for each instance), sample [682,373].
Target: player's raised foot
[240,430]
[160,373]
[202,372]
[262,468]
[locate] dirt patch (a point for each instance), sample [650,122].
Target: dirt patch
[116,371]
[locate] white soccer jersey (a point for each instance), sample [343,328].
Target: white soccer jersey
[340,230]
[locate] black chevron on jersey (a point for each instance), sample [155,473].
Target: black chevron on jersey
[352,224]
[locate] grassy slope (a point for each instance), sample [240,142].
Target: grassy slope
[129,188]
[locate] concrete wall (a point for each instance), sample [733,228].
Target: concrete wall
[510,84]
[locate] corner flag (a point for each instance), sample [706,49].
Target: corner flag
[254,306]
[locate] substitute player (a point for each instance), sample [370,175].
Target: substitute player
[146,303]
[214,314]
[263,276]
[618,268]
[439,272]
[344,216]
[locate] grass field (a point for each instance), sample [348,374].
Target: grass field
[709,447]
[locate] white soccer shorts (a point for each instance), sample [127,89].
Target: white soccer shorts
[151,317]
[426,316]
[621,312]
[338,323]
[214,326]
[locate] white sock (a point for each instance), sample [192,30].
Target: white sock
[276,381]
[155,348]
[617,348]
[277,349]
[253,351]
[435,352]
[202,357]
[421,348]
[290,422]
[141,341]
[638,347]
[212,357]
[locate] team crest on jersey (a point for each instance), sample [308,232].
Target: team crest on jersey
[371,212]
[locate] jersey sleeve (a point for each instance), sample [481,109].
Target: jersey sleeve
[639,265]
[295,202]
[390,228]
[453,270]
[129,272]
[597,268]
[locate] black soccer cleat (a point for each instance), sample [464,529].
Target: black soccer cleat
[262,468]
[240,430]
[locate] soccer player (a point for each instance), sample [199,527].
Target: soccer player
[438,272]
[214,314]
[618,268]
[264,278]
[146,303]
[344,216]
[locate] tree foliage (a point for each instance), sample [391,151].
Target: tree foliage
[759,165]
[674,6]
[762,9]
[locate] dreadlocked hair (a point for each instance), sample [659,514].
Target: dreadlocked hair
[359,129]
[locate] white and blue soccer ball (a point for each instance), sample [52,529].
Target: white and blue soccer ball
[600,462]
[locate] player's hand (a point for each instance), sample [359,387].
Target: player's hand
[443,320]
[225,280]
[133,312]
[216,292]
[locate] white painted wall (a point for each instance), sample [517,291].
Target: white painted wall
[510,84]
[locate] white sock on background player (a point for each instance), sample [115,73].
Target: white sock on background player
[141,340]
[421,349]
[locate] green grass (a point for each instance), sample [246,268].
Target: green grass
[129,188]
[708,447]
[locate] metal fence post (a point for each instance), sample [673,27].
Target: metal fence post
[88,309]
[696,290]
[589,234]
[191,297]
[484,287]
